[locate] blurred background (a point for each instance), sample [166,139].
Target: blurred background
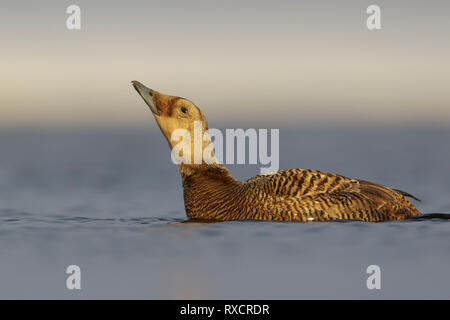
[86,176]
[272,63]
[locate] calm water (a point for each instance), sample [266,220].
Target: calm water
[110,201]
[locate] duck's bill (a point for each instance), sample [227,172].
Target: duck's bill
[147,94]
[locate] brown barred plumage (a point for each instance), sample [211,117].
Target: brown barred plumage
[302,195]
[210,192]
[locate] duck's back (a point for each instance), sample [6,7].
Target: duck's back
[310,195]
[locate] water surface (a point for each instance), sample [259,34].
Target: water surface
[110,201]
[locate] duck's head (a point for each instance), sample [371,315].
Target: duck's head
[172,113]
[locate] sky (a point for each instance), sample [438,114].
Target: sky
[244,63]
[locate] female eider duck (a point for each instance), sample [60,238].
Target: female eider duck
[211,193]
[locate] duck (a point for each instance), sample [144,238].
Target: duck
[298,195]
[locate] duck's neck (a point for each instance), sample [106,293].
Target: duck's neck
[189,170]
[209,190]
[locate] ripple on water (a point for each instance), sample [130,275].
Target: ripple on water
[10,216]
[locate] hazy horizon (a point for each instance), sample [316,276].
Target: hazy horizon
[248,64]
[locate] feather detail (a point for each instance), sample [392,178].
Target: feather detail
[302,195]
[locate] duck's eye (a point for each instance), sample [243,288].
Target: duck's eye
[184,110]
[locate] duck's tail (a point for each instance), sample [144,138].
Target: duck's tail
[424,216]
[434,215]
[406,194]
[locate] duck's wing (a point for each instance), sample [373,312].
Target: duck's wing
[329,206]
[370,204]
[310,195]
